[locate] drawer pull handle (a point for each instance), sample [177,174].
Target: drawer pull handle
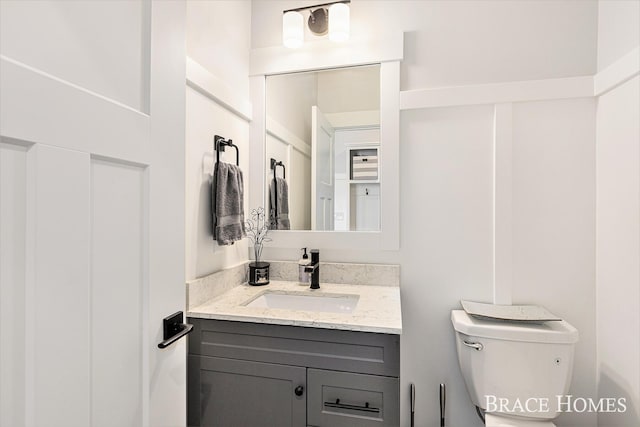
[477,345]
[365,408]
[299,390]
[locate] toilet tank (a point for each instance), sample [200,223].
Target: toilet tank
[526,365]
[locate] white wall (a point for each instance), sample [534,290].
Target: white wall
[618,250]
[446,172]
[445,248]
[451,43]
[289,97]
[554,224]
[218,39]
[204,119]
[351,89]
[618,30]
[618,216]
[289,100]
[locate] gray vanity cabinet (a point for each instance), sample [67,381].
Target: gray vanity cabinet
[249,374]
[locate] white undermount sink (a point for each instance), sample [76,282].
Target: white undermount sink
[330,303]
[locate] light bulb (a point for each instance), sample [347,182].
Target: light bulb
[292,29]
[339,22]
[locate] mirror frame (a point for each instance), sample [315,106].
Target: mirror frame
[323,55]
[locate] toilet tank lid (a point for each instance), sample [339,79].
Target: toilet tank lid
[545,332]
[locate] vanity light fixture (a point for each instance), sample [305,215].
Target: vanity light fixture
[339,22]
[292,30]
[322,20]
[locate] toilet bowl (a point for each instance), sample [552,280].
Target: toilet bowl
[515,371]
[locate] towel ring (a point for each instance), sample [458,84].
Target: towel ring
[274,163]
[218,145]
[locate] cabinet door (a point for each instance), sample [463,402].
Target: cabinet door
[343,399]
[239,393]
[365,207]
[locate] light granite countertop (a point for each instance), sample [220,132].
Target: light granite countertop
[378,309]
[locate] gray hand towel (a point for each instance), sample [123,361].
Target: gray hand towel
[279,214]
[227,197]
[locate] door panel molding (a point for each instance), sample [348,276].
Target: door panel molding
[67,115]
[13,211]
[56,291]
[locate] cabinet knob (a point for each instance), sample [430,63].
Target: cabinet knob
[299,390]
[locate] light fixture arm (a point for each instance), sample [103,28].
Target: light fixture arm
[298,9]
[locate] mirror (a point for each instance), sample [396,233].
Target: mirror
[322,150]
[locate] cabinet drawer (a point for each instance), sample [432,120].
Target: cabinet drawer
[361,352]
[342,399]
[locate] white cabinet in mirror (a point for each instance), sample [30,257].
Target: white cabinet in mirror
[322,148]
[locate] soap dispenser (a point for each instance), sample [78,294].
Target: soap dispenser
[304,278]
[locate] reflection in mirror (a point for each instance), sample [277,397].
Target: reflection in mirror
[323,129]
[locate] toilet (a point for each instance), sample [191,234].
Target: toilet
[517,372]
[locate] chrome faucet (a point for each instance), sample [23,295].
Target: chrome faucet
[314,269]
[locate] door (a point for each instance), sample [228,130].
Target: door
[322,180]
[91,213]
[240,393]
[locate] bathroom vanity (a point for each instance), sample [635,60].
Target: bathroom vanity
[251,364]
[270,375]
